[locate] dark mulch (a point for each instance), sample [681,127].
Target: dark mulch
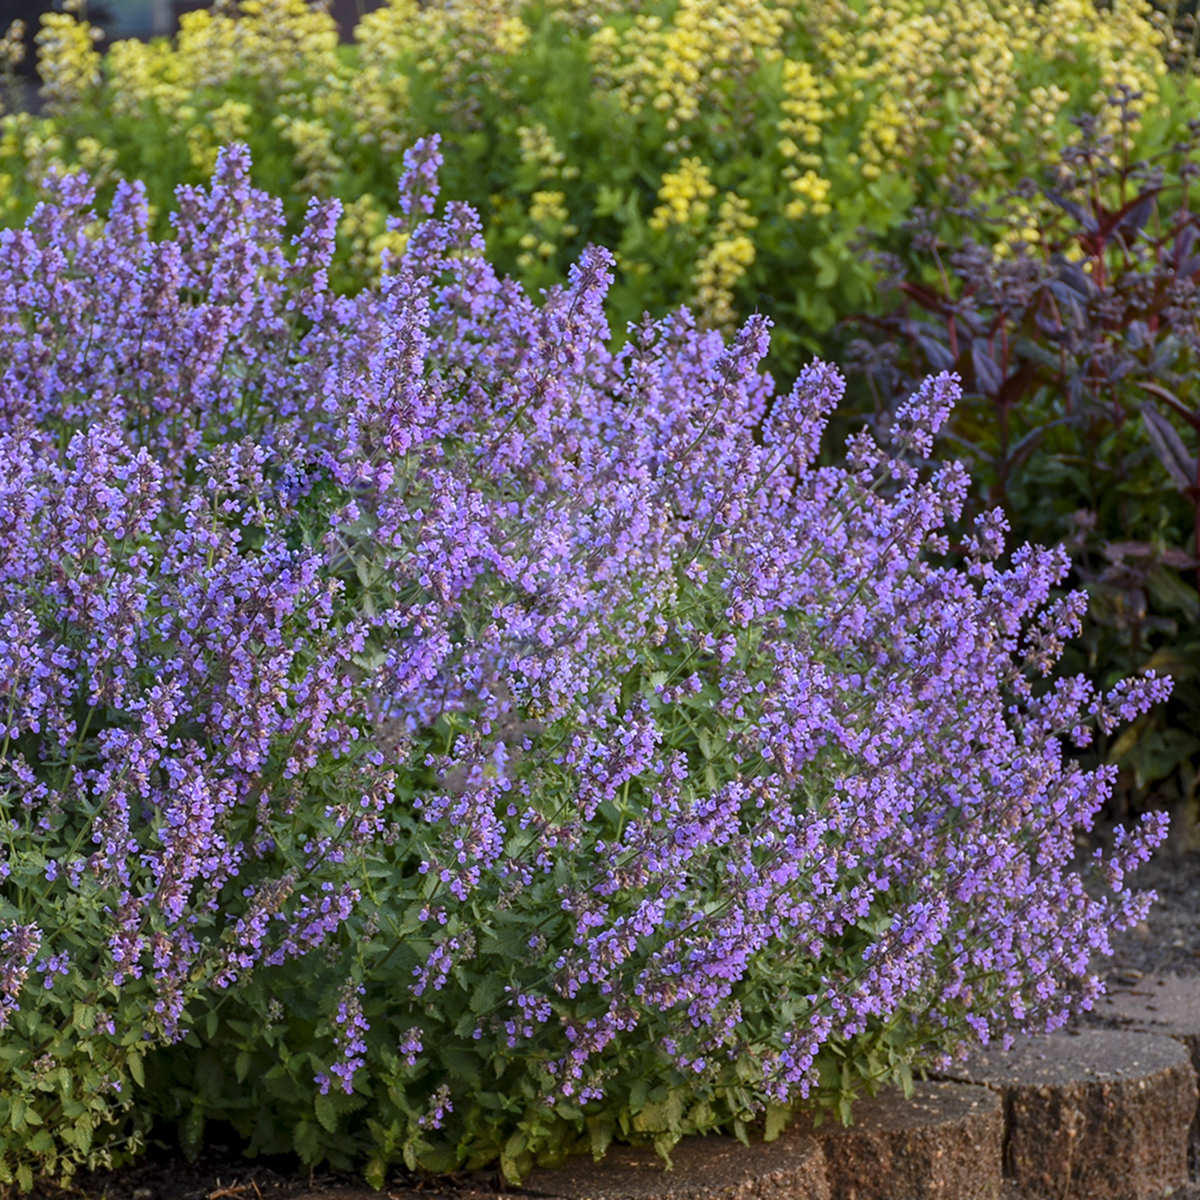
[1168,941]
[221,1174]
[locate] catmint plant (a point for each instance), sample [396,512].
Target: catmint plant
[432,737]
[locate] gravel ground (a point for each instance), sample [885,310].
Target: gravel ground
[1168,941]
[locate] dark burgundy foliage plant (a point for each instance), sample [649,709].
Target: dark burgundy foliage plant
[1079,344]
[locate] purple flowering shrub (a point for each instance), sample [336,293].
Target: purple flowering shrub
[431,737]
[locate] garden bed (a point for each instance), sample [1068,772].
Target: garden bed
[1167,943]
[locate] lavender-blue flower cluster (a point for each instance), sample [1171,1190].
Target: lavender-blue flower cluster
[591,736]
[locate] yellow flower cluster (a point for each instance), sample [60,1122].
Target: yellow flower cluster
[364,229]
[12,46]
[259,40]
[803,105]
[1024,220]
[581,15]
[20,141]
[378,93]
[683,195]
[68,61]
[34,142]
[1041,113]
[148,73]
[540,152]
[317,162]
[1120,50]
[961,66]
[98,160]
[679,68]
[262,39]
[228,122]
[458,43]
[549,221]
[12,54]
[728,258]
[810,196]
[899,60]
[891,56]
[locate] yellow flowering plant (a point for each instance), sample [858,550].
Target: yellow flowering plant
[730,151]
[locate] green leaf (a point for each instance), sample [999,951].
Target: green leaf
[828,267]
[600,1134]
[664,1143]
[462,1063]
[1169,591]
[191,1133]
[136,1070]
[41,1142]
[375,1174]
[83,1133]
[776,1121]
[307,1142]
[661,1115]
[326,1112]
[511,1155]
[486,992]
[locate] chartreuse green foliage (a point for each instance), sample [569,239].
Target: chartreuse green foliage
[729,152]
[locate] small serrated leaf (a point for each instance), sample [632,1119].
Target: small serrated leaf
[326,1112]
[600,1134]
[306,1141]
[191,1133]
[375,1174]
[776,1121]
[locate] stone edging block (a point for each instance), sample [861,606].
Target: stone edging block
[1164,1004]
[709,1168]
[943,1143]
[1100,1113]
